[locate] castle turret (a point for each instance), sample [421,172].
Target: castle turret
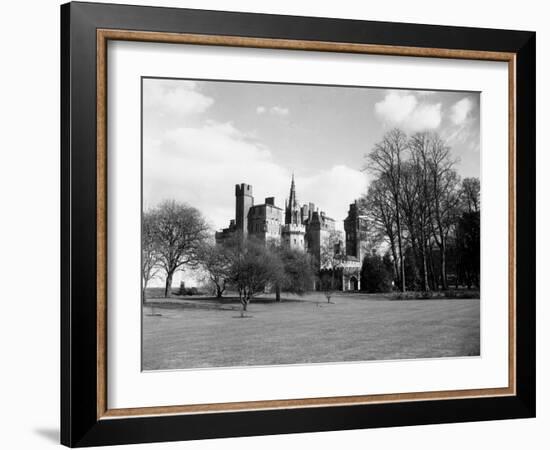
[354,238]
[243,202]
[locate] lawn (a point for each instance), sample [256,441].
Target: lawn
[195,333]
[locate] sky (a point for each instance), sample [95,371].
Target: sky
[200,138]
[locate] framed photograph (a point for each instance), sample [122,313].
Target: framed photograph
[277,224]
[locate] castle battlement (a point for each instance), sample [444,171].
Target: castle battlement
[243,189]
[293,228]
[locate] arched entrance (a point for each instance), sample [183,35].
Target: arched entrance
[353,284]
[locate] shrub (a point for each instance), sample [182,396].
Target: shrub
[448,294]
[191,291]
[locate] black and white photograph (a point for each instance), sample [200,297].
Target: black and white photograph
[298,224]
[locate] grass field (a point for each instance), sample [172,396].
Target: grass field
[193,333]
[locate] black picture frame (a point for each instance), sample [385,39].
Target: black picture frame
[80,425]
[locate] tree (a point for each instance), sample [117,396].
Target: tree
[149,253]
[298,271]
[469,195]
[330,257]
[385,161]
[443,184]
[468,233]
[378,205]
[410,204]
[216,260]
[376,273]
[254,268]
[179,232]
[415,204]
[468,249]
[419,147]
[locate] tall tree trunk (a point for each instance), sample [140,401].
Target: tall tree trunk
[394,257]
[168,285]
[242,298]
[443,250]
[435,285]
[425,283]
[400,244]
[416,265]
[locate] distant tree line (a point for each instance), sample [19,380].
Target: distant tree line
[426,215]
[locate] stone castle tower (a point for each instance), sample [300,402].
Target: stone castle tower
[353,228]
[243,202]
[294,230]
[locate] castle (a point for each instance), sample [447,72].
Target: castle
[304,228]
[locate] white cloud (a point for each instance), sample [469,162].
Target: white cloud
[461,110]
[174,97]
[332,190]
[274,110]
[201,165]
[279,111]
[404,110]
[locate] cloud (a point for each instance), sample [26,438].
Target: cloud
[201,165]
[279,111]
[274,110]
[424,93]
[332,190]
[404,110]
[463,131]
[174,98]
[461,110]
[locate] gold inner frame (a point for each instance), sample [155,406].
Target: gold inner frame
[104,35]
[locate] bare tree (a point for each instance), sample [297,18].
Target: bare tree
[410,203]
[443,183]
[413,202]
[217,260]
[179,232]
[385,161]
[330,257]
[419,147]
[149,252]
[378,205]
[469,194]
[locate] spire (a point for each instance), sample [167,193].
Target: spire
[292,212]
[292,198]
